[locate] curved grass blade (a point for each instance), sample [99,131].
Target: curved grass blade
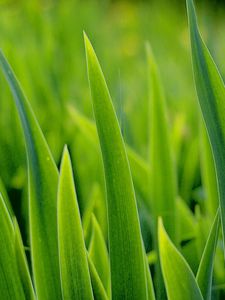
[97,286]
[10,284]
[75,278]
[99,253]
[211,95]
[22,264]
[43,180]
[205,270]
[128,278]
[179,280]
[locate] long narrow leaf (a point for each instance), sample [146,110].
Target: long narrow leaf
[22,264]
[179,279]
[205,270]
[75,278]
[211,95]
[10,284]
[99,253]
[128,278]
[43,179]
[97,286]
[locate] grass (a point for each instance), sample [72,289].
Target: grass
[119,219]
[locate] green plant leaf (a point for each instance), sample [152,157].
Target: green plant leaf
[97,286]
[96,205]
[6,198]
[75,277]
[99,253]
[179,280]
[22,264]
[10,284]
[189,171]
[211,95]
[43,180]
[205,270]
[139,168]
[128,273]
[208,173]
[151,292]
[163,182]
[186,221]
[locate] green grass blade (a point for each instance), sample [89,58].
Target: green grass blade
[10,284]
[97,286]
[205,270]
[179,280]
[211,95]
[75,278]
[163,182]
[151,292]
[43,180]
[22,264]
[208,173]
[139,168]
[6,198]
[99,253]
[128,278]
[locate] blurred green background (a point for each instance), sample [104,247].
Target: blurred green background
[43,41]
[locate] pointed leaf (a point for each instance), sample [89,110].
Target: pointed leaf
[10,284]
[211,95]
[128,278]
[75,278]
[179,280]
[43,177]
[205,270]
[97,286]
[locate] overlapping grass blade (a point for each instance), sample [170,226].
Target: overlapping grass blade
[163,182]
[43,180]
[99,254]
[179,280]
[128,278]
[205,270]
[75,278]
[139,168]
[6,198]
[97,286]
[22,264]
[96,205]
[150,288]
[211,95]
[10,283]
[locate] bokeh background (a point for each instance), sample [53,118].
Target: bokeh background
[43,41]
